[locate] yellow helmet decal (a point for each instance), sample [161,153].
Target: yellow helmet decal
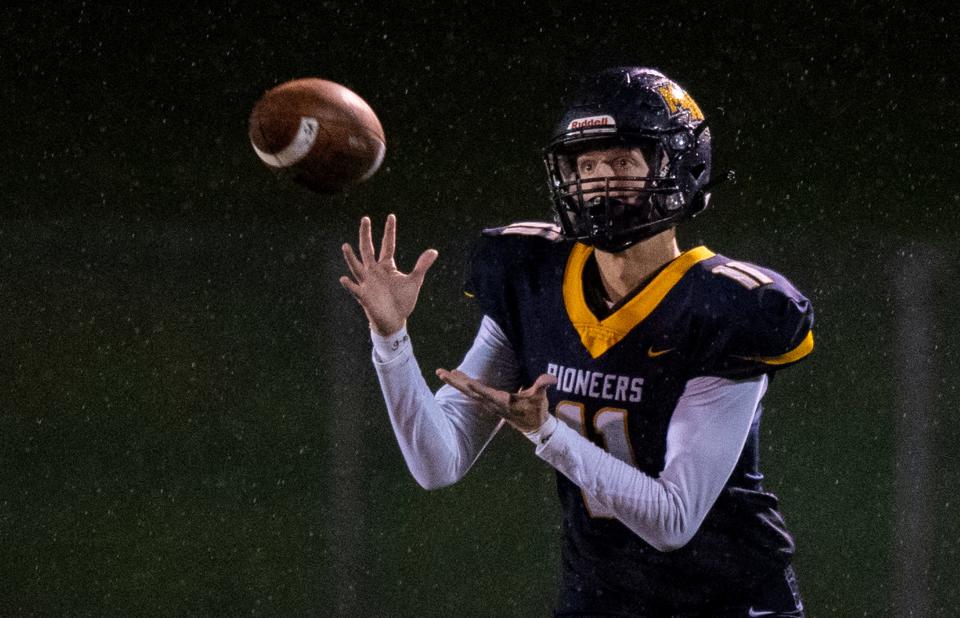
[677,100]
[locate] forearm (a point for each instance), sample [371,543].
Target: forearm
[440,435]
[651,507]
[705,438]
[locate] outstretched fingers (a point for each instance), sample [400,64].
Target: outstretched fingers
[542,383]
[457,379]
[366,242]
[354,264]
[495,400]
[424,262]
[389,242]
[350,286]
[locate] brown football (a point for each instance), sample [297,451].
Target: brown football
[317,132]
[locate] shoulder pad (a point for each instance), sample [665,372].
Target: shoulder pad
[549,231]
[760,321]
[746,275]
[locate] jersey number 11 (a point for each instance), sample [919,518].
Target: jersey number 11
[611,425]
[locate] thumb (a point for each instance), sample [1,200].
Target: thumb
[424,262]
[542,383]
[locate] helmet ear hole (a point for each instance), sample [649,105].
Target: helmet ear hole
[697,170]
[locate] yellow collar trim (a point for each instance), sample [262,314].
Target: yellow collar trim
[598,336]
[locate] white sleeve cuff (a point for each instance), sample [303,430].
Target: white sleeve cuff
[386,348]
[541,434]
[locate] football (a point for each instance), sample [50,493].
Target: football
[317,132]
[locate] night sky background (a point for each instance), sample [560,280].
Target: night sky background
[189,422]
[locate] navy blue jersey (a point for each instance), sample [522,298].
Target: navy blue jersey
[619,380]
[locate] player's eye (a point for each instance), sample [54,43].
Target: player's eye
[624,163]
[586,166]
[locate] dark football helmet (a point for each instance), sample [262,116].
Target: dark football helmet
[632,107]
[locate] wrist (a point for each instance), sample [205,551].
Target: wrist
[388,347]
[387,330]
[541,434]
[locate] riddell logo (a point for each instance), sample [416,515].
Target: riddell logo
[592,122]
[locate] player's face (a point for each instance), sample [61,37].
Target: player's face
[624,163]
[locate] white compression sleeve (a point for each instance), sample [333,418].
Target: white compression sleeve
[704,439]
[442,435]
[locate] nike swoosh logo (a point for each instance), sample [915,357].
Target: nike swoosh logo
[655,353]
[753,612]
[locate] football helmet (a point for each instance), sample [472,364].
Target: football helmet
[632,107]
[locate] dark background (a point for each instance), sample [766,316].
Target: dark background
[189,423]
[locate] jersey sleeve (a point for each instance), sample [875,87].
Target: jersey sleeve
[499,268]
[487,282]
[761,324]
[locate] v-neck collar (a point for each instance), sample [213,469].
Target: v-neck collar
[598,336]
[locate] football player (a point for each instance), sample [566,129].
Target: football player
[636,369]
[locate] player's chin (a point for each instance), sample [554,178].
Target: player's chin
[628,198]
[617,202]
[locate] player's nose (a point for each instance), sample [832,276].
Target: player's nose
[604,169]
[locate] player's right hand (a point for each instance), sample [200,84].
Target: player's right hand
[387,295]
[527,409]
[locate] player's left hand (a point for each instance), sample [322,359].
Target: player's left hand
[526,409]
